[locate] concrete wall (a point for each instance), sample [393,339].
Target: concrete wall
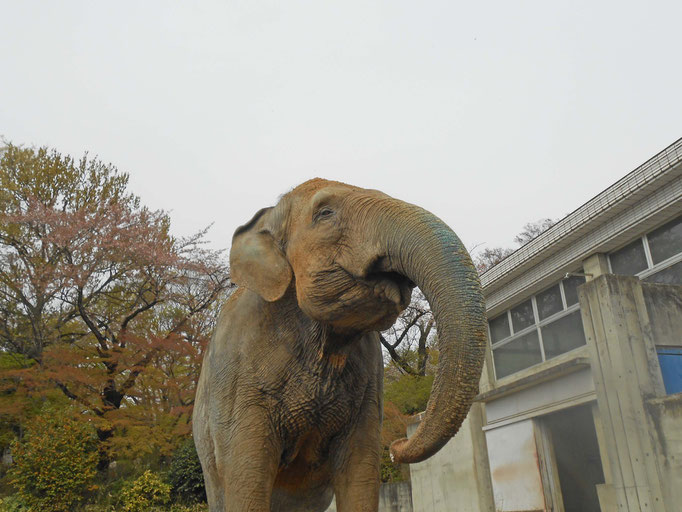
[457,477]
[639,426]
[394,497]
[664,311]
[665,415]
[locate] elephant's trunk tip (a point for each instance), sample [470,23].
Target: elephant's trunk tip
[396,446]
[404,451]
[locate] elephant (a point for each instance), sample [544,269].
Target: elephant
[288,408]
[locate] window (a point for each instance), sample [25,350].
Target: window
[544,326]
[670,275]
[549,302]
[518,354]
[656,257]
[629,260]
[571,289]
[670,359]
[522,316]
[666,241]
[563,335]
[499,328]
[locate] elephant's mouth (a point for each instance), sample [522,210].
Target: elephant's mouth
[390,286]
[371,301]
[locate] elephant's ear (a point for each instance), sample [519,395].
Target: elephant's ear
[256,261]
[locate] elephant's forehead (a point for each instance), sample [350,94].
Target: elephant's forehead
[296,205]
[310,187]
[297,201]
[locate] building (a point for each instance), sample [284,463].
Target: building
[580,404]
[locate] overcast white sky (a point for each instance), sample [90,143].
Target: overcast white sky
[489,114]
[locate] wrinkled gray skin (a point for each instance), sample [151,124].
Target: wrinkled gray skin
[288,407]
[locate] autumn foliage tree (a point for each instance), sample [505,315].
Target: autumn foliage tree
[532,230]
[488,257]
[98,298]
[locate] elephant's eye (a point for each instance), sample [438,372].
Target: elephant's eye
[323,213]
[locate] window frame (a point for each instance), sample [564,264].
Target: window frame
[651,267]
[537,325]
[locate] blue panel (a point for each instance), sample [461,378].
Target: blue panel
[670,359]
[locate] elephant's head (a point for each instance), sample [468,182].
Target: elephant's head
[354,256]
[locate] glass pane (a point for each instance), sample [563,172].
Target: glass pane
[522,316]
[571,289]
[499,328]
[670,359]
[669,275]
[517,354]
[666,241]
[630,260]
[563,335]
[549,302]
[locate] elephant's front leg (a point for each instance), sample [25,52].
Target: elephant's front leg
[356,484]
[247,463]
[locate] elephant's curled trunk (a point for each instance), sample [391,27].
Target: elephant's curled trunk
[423,248]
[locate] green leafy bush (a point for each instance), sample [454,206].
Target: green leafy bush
[12,504]
[185,474]
[410,393]
[145,493]
[390,471]
[197,507]
[175,507]
[54,463]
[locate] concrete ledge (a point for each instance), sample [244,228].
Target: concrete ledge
[552,373]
